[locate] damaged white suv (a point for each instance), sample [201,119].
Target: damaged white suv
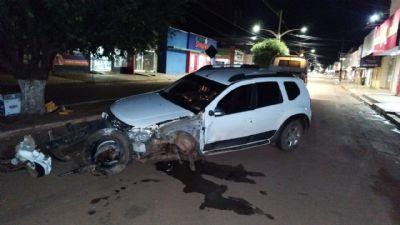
[210,111]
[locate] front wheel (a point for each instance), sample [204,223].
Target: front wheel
[108,149]
[290,136]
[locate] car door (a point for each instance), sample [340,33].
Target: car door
[230,122]
[269,110]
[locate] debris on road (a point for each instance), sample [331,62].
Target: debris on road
[35,161]
[51,107]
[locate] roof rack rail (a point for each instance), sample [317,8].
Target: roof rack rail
[250,66]
[242,76]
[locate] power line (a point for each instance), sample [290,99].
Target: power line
[223,18]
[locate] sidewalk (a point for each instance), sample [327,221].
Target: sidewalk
[381,100]
[27,125]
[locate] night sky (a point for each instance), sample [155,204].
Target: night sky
[333,24]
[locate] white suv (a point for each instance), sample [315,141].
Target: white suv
[210,111]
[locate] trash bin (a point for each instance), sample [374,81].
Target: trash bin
[10,104]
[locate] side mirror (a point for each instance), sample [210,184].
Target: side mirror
[216,112]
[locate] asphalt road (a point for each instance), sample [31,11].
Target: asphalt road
[344,173]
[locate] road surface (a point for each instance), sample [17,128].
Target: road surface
[344,173]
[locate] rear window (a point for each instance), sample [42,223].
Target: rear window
[268,93]
[292,90]
[290,63]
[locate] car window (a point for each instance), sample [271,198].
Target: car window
[238,100]
[292,90]
[193,92]
[268,93]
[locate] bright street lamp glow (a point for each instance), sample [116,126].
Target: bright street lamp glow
[254,38]
[312,50]
[303,29]
[256,28]
[374,18]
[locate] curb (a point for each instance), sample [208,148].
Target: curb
[50,125]
[388,116]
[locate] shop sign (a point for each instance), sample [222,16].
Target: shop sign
[368,45]
[386,34]
[200,43]
[371,61]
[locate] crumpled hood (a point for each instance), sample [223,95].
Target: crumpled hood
[147,109]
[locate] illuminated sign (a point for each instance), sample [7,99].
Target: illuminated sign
[385,37]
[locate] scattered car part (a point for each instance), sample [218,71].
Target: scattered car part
[35,161]
[57,144]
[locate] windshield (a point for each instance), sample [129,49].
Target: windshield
[193,92]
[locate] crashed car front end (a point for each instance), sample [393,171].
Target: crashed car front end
[173,139]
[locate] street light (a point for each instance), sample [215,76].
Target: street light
[254,38]
[374,18]
[256,28]
[312,50]
[278,35]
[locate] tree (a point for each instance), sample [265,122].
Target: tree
[32,32]
[266,49]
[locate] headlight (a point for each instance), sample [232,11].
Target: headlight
[140,134]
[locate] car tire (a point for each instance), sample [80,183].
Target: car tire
[290,136]
[108,149]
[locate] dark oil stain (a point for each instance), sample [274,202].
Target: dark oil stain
[134,182]
[97,200]
[121,179]
[123,188]
[263,193]
[149,180]
[260,212]
[386,185]
[303,194]
[134,211]
[116,191]
[91,211]
[213,193]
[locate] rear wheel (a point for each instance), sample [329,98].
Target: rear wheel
[110,150]
[290,137]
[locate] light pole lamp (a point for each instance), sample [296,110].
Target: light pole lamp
[257,28]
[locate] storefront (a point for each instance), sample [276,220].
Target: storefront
[386,45]
[146,61]
[369,64]
[184,52]
[74,62]
[233,57]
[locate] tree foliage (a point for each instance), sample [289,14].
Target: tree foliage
[266,49]
[32,32]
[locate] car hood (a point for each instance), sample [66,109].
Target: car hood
[147,109]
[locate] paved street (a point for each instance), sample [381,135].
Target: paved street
[344,173]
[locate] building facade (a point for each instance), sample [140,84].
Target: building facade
[380,55]
[183,52]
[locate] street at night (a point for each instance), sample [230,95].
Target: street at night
[345,172]
[186,112]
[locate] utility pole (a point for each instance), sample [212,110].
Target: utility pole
[280,24]
[341,66]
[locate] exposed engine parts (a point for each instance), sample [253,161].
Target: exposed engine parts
[35,161]
[107,149]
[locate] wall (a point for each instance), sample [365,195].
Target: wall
[176,62]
